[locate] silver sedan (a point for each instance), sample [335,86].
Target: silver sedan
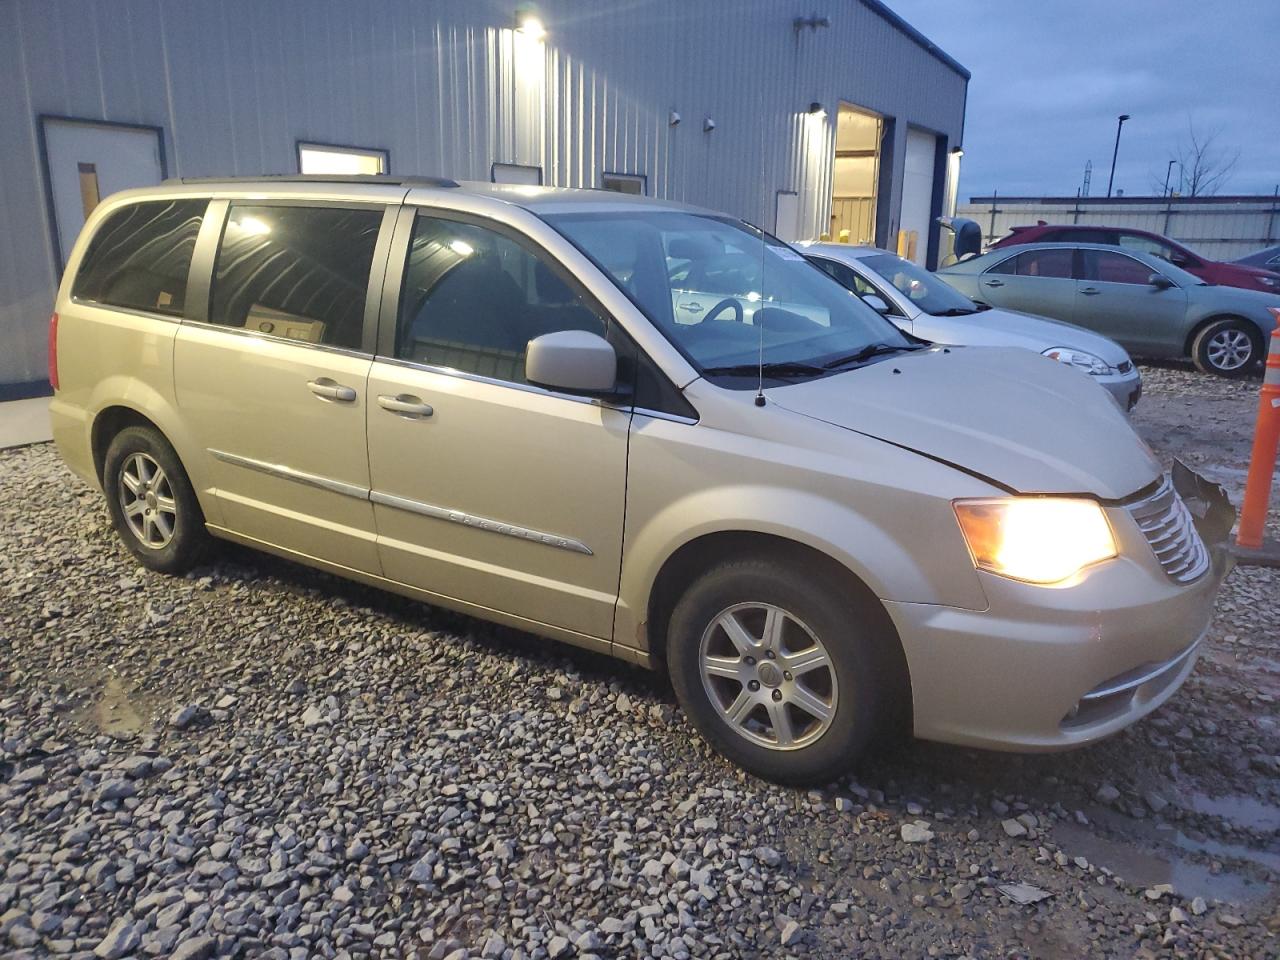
[921,304]
[1150,306]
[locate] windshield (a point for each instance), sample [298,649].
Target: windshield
[933,296]
[723,293]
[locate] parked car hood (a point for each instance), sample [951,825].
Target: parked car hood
[1009,328]
[1025,422]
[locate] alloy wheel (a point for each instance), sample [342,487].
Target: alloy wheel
[1229,349]
[768,676]
[147,501]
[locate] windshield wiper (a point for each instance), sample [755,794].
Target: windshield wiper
[955,312]
[868,352]
[781,368]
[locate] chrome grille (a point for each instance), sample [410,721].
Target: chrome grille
[1166,523]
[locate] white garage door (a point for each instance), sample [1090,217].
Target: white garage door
[917,193]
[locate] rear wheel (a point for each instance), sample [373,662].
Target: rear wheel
[777,669]
[1229,348]
[152,505]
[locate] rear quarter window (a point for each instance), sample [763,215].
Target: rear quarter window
[140,256]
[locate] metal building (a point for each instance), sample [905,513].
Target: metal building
[804,117]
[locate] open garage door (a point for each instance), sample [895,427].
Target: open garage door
[856,175]
[917,195]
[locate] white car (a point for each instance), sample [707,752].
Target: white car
[927,307]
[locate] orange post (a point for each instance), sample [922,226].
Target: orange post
[1266,443]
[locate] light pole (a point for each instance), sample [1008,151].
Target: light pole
[1116,152]
[1167,171]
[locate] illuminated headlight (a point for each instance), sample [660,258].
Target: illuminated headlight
[1094,366]
[1036,539]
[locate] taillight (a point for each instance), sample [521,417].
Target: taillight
[53,351]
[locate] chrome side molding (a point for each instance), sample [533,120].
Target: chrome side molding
[480,523]
[404,503]
[289,473]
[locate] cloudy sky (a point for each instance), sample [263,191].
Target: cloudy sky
[1051,76]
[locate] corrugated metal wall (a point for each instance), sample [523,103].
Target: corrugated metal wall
[1221,228]
[447,88]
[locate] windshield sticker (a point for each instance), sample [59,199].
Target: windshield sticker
[786,253]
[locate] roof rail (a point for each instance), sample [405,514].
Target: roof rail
[391,180]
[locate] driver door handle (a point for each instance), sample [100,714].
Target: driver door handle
[1090,291]
[994,283]
[327,389]
[406,405]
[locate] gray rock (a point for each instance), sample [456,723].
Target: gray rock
[791,933]
[197,948]
[1013,828]
[1107,794]
[917,832]
[187,716]
[557,946]
[116,790]
[125,936]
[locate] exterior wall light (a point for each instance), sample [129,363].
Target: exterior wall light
[674,118]
[529,23]
[817,110]
[708,125]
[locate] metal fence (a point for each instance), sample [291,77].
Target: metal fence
[1221,228]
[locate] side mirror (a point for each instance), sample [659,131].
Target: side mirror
[875,302]
[574,361]
[1160,281]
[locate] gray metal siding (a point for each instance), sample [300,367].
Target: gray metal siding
[1221,228]
[442,86]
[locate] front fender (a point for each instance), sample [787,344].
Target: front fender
[895,531]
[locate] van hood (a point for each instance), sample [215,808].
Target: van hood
[1027,423]
[1009,328]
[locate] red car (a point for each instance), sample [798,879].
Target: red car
[1210,271]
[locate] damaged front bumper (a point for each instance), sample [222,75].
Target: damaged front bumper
[1048,668]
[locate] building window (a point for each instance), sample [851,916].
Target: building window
[633,183]
[516,173]
[331,159]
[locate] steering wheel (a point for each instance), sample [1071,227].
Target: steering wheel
[719,308]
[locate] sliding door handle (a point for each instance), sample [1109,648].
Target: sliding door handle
[327,389]
[994,283]
[406,405]
[1090,291]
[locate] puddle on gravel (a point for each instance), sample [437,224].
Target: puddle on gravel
[1142,865]
[1238,810]
[117,712]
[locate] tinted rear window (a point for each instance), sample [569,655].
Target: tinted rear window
[140,256]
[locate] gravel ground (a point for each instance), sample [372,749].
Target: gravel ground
[261,760]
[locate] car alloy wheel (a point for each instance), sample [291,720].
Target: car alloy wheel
[768,676]
[1229,349]
[147,501]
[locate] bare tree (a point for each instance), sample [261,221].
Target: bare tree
[1203,163]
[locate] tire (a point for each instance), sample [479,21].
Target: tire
[1220,348]
[152,505]
[816,615]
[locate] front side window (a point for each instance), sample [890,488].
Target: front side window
[140,257]
[473,298]
[935,297]
[1105,267]
[728,296]
[1054,264]
[301,273]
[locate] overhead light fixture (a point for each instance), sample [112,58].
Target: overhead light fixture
[674,118]
[817,110]
[708,125]
[529,24]
[957,152]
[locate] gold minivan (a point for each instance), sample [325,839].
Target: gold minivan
[498,399]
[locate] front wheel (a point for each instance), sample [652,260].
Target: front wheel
[1228,348]
[778,670]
